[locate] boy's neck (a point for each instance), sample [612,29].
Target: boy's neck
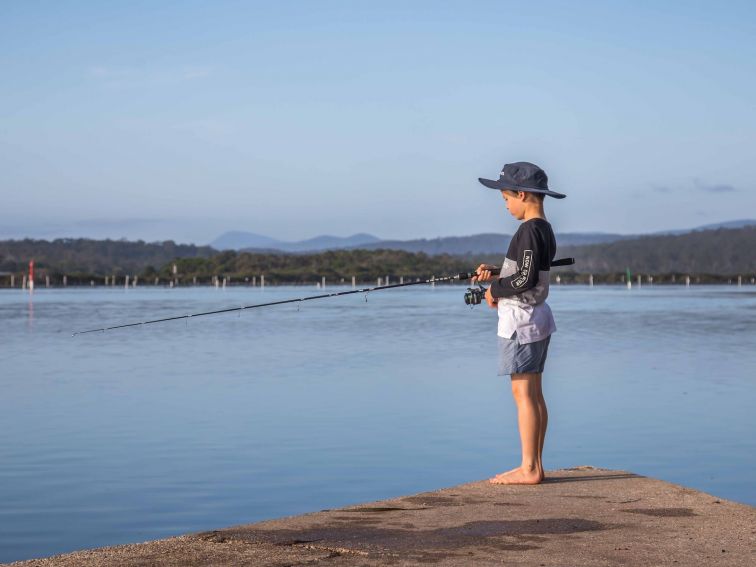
[534,211]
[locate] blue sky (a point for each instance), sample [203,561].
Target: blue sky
[181,120]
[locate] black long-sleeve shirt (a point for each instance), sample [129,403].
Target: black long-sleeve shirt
[531,251]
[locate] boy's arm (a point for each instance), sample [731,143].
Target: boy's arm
[526,250]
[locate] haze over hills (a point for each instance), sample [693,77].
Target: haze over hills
[727,224]
[488,243]
[240,240]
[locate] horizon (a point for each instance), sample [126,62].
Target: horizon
[160,122]
[707,226]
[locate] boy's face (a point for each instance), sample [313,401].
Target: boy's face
[515,203]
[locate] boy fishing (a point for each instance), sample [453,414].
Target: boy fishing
[526,323]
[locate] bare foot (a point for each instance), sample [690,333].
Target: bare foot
[517,476]
[498,478]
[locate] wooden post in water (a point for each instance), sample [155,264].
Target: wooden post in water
[225,280]
[322,282]
[157,280]
[639,280]
[126,282]
[687,281]
[379,282]
[23,284]
[387,280]
[590,280]
[65,281]
[254,281]
[13,280]
[262,281]
[136,279]
[194,280]
[401,279]
[354,282]
[740,281]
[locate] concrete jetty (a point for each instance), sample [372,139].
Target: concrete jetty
[582,516]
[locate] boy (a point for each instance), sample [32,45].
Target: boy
[525,320]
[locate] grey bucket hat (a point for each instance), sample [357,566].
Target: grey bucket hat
[522,176]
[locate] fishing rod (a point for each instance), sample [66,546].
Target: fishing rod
[432,280]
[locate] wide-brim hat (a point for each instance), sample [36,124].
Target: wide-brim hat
[522,176]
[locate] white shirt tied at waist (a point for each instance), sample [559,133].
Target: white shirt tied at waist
[527,312]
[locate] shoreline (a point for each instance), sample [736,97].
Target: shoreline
[579,516]
[329,285]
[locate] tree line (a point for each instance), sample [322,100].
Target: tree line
[715,255]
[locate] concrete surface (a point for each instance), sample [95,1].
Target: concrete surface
[582,516]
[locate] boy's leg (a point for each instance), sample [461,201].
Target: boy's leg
[544,421]
[525,389]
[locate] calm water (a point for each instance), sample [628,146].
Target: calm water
[144,433]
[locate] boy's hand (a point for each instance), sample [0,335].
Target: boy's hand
[490,299]
[484,274]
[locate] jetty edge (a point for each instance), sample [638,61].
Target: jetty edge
[580,516]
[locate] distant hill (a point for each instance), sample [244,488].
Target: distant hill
[237,240]
[487,243]
[492,243]
[728,224]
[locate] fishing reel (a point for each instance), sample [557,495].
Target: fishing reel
[475,295]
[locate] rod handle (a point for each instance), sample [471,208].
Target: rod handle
[563,262]
[468,275]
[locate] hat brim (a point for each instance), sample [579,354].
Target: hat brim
[495,184]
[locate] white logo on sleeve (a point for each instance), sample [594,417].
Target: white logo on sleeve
[522,278]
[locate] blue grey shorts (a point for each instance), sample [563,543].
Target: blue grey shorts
[515,358]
